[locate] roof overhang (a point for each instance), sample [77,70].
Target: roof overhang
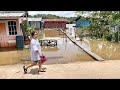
[33,19]
[57,20]
[10,14]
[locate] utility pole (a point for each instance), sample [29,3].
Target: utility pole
[26,16]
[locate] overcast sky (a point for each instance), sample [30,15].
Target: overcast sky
[58,13]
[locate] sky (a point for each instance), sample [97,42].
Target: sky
[58,13]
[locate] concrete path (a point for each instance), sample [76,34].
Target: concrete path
[109,69]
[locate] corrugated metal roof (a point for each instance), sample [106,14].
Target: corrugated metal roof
[33,19]
[11,13]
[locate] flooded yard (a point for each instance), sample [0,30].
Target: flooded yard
[64,52]
[12,55]
[104,49]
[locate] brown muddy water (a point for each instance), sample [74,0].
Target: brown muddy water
[64,52]
[12,55]
[105,49]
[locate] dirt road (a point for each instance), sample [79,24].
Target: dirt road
[109,69]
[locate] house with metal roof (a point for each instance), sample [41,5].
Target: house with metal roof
[10,27]
[81,22]
[37,22]
[55,23]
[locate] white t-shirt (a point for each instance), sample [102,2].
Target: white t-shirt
[35,45]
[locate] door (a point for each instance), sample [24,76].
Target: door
[3,35]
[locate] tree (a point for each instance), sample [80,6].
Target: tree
[100,21]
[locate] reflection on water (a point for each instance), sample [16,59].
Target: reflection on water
[12,55]
[7,49]
[64,52]
[50,48]
[105,49]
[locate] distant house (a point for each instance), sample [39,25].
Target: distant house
[10,27]
[37,22]
[55,23]
[114,28]
[71,29]
[81,23]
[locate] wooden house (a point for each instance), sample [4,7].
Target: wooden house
[55,23]
[10,27]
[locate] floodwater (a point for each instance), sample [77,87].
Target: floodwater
[64,52]
[12,55]
[105,49]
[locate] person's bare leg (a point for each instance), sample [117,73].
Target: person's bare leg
[40,66]
[33,64]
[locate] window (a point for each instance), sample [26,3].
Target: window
[12,28]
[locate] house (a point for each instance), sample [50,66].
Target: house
[55,23]
[71,29]
[10,27]
[81,22]
[114,28]
[37,22]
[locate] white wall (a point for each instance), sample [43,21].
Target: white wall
[71,29]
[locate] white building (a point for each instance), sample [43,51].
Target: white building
[35,21]
[71,29]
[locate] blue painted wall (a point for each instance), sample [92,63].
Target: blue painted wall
[80,23]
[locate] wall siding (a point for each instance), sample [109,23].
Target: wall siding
[55,24]
[9,40]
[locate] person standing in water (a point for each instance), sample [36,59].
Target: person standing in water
[35,51]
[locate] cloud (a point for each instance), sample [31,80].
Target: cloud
[58,13]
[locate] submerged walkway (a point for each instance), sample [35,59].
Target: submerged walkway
[93,55]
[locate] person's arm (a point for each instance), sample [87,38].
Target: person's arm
[40,54]
[36,49]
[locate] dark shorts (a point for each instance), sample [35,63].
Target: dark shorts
[36,61]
